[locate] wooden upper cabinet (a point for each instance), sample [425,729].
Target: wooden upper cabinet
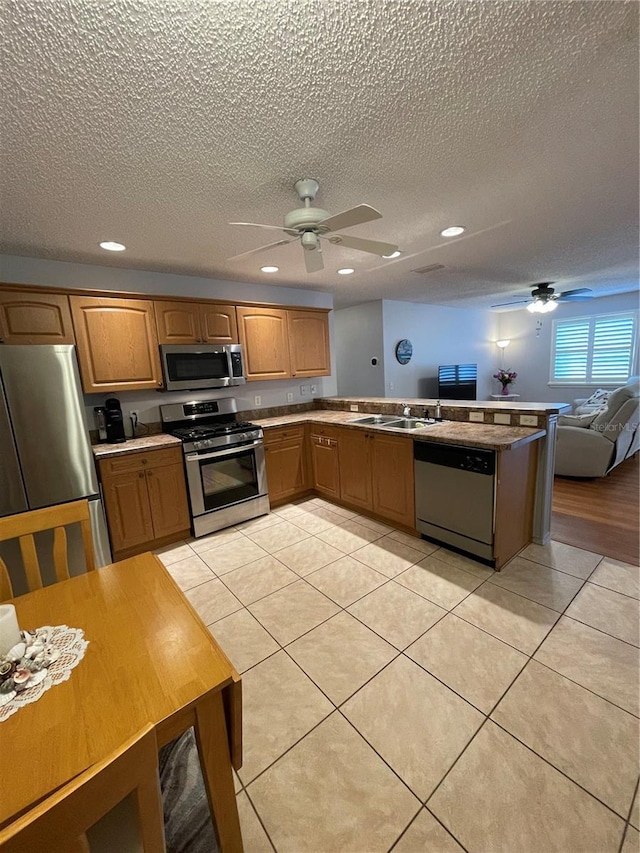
[264,336]
[117,344]
[34,318]
[309,343]
[195,322]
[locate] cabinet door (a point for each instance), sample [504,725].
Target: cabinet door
[168,500]
[286,469]
[34,318]
[117,344]
[309,343]
[326,465]
[355,467]
[218,324]
[128,512]
[177,322]
[263,334]
[392,474]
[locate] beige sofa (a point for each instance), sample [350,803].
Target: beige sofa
[591,445]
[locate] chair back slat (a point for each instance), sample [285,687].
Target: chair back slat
[30,561]
[57,824]
[60,561]
[23,527]
[6,590]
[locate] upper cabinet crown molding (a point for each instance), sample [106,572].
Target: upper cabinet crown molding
[196,322]
[117,344]
[35,318]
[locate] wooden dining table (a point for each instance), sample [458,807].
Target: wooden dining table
[151,659]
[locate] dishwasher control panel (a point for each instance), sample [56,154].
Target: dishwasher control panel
[472,459]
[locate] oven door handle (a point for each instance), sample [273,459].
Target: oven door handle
[218,454]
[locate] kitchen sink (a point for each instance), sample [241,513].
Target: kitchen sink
[375,420]
[409,423]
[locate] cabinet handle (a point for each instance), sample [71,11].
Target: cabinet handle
[160,383]
[141,475]
[149,473]
[144,461]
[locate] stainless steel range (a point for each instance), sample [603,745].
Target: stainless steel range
[224,462]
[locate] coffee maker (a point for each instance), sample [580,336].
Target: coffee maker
[114,423]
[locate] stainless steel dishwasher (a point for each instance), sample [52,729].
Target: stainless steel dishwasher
[455,495]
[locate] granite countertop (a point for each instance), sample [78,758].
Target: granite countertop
[133,445]
[490,436]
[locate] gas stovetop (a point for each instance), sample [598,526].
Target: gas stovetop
[202,431]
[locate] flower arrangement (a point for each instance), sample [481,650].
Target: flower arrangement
[505,377]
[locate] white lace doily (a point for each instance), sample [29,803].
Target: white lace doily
[71,646]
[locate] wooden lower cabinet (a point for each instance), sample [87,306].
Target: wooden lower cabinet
[355,467]
[286,461]
[145,499]
[393,478]
[325,461]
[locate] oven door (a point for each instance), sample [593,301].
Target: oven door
[221,478]
[192,366]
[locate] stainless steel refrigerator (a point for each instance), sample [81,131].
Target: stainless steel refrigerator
[45,452]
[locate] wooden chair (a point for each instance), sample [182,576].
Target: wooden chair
[24,525]
[59,823]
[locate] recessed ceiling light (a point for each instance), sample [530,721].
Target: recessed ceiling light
[345,271]
[395,254]
[452,231]
[110,246]
[269,269]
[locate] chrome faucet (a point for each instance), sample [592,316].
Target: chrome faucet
[406,411]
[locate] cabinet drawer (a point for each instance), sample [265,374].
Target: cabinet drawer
[140,461]
[276,434]
[326,431]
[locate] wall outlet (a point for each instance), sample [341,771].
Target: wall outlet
[529,420]
[477,417]
[134,414]
[289,397]
[314,389]
[502,419]
[257,400]
[304,389]
[391,386]
[354,408]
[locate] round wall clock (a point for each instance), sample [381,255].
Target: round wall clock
[404,351]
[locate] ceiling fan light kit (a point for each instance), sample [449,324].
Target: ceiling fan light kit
[545,299]
[311,224]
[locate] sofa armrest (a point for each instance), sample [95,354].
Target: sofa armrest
[582,452]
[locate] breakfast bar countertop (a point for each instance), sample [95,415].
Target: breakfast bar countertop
[490,436]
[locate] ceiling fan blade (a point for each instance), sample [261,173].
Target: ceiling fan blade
[517,302]
[260,249]
[270,227]
[313,260]
[348,218]
[578,294]
[374,247]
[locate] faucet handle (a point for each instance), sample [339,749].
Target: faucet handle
[406,411]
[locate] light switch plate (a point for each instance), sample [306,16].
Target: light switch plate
[502,419]
[478,417]
[257,400]
[528,420]
[289,397]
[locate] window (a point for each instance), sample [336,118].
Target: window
[594,350]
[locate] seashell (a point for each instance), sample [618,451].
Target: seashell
[7,687]
[27,637]
[52,657]
[5,698]
[16,652]
[21,676]
[39,658]
[33,666]
[36,678]
[5,668]
[35,649]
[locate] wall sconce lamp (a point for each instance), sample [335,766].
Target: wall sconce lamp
[503,345]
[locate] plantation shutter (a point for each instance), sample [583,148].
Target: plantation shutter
[594,350]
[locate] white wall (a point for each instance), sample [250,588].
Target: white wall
[358,335]
[529,352]
[439,335]
[19,270]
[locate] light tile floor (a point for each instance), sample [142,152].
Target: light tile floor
[400,696]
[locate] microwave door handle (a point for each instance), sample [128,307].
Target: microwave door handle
[218,454]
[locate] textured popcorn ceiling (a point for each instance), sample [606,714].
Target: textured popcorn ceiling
[155,122]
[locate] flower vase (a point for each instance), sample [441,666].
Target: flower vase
[505,390]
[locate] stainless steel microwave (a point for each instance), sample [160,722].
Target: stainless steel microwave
[191,366]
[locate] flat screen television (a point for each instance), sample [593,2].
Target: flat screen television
[457,381]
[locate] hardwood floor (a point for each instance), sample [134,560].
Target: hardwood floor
[602,514]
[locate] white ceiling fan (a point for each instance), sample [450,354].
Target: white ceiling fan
[544,298]
[310,225]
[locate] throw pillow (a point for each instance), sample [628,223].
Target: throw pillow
[598,399]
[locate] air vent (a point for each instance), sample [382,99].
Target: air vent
[430,268]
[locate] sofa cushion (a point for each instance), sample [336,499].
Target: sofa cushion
[577,420]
